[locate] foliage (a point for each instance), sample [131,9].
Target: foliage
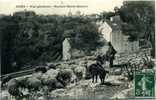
[148,62]
[138,17]
[106,15]
[29,38]
[7,30]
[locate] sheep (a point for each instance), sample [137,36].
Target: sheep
[42,69]
[49,75]
[64,76]
[80,72]
[38,75]
[52,73]
[22,83]
[52,84]
[5,80]
[13,89]
[49,80]
[87,73]
[52,66]
[33,84]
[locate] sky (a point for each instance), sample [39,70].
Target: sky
[58,6]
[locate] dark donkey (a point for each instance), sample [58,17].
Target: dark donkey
[97,70]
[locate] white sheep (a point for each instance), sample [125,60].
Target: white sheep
[33,84]
[13,89]
[80,72]
[49,80]
[64,76]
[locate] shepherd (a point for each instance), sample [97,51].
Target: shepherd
[110,54]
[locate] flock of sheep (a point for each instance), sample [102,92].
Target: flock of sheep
[49,78]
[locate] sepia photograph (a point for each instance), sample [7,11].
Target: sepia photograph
[77,50]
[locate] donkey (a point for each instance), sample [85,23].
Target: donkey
[97,70]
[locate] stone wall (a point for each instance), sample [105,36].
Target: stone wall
[134,56]
[122,44]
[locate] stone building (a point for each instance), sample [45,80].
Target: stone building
[111,30]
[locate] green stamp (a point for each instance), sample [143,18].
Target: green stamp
[144,84]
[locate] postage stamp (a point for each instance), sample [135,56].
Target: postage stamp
[144,84]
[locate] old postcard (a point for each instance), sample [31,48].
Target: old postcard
[77,50]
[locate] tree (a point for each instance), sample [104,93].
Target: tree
[106,15]
[139,20]
[84,33]
[8,31]
[29,39]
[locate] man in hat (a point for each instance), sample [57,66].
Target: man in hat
[111,54]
